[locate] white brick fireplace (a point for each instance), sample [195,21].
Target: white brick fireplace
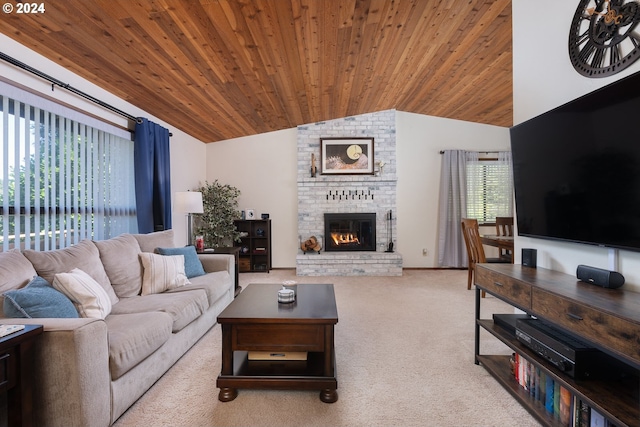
[349,194]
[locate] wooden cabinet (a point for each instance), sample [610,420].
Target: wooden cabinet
[255,245]
[607,319]
[16,374]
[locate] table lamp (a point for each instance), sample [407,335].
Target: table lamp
[189,202]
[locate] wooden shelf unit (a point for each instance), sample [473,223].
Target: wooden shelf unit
[17,380]
[255,246]
[609,319]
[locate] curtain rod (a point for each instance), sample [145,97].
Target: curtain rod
[55,82]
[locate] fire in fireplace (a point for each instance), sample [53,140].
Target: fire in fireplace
[350,231]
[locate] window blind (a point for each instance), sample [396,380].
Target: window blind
[489,188]
[62,180]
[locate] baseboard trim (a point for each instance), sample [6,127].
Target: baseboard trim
[403,268]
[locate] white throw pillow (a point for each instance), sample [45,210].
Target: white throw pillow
[90,299]
[162,273]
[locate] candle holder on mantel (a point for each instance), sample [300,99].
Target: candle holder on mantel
[313,165]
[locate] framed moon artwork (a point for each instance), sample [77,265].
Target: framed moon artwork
[346,156]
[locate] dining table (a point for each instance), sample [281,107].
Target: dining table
[500,242]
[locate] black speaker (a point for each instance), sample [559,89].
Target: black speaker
[529,257]
[600,277]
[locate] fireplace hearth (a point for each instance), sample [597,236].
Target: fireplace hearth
[349,232]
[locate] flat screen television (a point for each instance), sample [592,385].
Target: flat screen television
[576,169]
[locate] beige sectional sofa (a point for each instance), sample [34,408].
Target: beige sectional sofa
[90,370]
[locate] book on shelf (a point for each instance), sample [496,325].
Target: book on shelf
[542,386]
[596,419]
[556,399]
[567,408]
[550,388]
[582,413]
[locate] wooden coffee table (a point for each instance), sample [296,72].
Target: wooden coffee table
[256,322]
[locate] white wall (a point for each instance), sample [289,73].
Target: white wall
[188,160]
[544,78]
[263,168]
[419,142]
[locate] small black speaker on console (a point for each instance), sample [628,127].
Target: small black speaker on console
[600,277]
[529,257]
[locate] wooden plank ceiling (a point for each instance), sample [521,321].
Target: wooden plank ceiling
[220,69]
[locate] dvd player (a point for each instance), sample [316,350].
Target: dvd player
[574,357]
[508,321]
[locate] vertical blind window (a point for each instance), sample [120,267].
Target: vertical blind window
[61,181]
[489,188]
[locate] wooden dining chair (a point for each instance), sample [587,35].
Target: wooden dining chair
[475,250]
[504,227]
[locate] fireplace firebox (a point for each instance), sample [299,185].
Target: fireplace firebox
[349,232]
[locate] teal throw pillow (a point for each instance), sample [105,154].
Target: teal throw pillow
[192,265]
[37,300]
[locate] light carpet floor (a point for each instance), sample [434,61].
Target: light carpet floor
[404,355]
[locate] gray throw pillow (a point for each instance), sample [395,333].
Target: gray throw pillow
[38,300]
[192,265]
[159,239]
[15,270]
[84,255]
[119,256]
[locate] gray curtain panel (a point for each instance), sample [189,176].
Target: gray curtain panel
[452,207]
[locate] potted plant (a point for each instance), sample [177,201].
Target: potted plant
[220,204]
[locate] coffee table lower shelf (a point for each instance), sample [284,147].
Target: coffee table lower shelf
[278,375]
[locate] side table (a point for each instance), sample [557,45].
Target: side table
[16,374]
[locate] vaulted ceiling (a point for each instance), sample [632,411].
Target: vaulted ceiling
[220,69]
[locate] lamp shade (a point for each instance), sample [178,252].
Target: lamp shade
[189,202]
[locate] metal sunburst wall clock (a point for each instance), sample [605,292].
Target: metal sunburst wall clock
[604,37]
